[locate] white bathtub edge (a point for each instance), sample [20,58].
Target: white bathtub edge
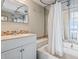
[45,55]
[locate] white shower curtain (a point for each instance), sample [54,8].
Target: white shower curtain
[55,30]
[50,32]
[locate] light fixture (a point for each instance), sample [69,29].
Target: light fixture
[48,2]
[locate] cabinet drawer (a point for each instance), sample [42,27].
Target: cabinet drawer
[13,43]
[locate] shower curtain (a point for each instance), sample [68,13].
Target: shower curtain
[50,31]
[55,30]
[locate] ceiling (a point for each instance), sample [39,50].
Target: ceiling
[38,2]
[64,5]
[47,1]
[47,7]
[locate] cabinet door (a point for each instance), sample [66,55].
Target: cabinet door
[3,56]
[11,54]
[29,51]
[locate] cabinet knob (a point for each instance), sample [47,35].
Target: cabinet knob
[21,50]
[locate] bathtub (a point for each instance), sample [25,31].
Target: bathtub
[41,42]
[70,52]
[43,54]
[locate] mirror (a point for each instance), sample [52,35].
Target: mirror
[14,11]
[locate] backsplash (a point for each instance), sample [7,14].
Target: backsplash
[9,26]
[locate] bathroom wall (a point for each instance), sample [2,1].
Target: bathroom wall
[46,12]
[36,20]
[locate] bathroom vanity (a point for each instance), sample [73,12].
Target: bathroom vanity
[21,46]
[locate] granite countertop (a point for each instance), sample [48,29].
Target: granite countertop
[9,37]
